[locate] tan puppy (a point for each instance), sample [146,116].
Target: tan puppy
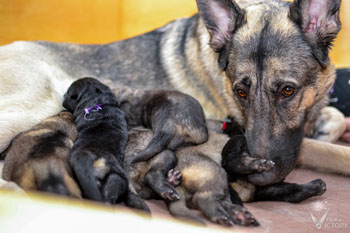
[37,158]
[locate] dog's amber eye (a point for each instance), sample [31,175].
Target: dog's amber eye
[241,93]
[288,91]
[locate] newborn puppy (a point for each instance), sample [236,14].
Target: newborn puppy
[98,152]
[176,119]
[205,186]
[37,159]
[236,158]
[239,165]
[149,179]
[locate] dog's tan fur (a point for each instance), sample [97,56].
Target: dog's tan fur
[324,156]
[244,189]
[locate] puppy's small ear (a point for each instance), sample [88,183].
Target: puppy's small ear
[319,21]
[222,18]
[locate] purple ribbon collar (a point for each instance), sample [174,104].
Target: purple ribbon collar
[95,108]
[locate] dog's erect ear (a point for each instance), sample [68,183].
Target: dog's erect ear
[222,18]
[319,21]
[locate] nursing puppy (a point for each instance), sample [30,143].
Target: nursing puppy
[176,119]
[205,187]
[149,179]
[204,182]
[240,166]
[37,159]
[98,152]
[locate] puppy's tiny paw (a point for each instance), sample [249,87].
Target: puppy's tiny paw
[319,186]
[223,220]
[242,216]
[170,195]
[174,177]
[262,165]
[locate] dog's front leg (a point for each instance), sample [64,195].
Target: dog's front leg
[289,192]
[324,156]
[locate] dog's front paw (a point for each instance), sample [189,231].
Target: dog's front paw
[330,125]
[319,187]
[262,165]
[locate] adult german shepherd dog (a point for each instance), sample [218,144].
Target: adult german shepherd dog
[265,62]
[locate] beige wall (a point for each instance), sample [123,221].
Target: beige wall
[101,21]
[86,21]
[341,50]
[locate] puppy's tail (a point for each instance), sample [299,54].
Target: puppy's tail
[156,145]
[82,165]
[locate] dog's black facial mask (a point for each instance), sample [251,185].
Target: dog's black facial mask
[279,70]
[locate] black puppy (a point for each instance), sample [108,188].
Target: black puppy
[176,119]
[236,158]
[239,165]
[98,152]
